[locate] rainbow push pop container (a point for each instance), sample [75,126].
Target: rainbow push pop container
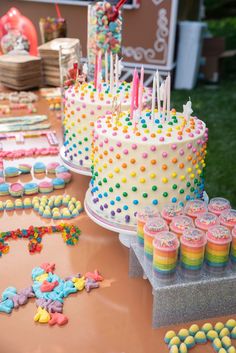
[192,251]
[228,219]
[206,220]
[217,248]
[172,210]
[151,229]
[180,223]
[233,248]
[195,208]
[165,254]
[218,204]
[142,217]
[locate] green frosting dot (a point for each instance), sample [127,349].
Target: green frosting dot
[80,142]
[154,187]
[165,194]
[129,123]
[111,189]
[188,184]
[85,139]
[144,126]
[195,181]
[145,195]
[125,194]
[160,126]
[126,119]
[73,135]
[96,173]
[70,138]
[117,185]
[170,123]
[100,183]
[174,186]
[192,189]
[134,188]
[105,180]
[181,191]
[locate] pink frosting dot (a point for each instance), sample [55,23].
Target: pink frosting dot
[83,105]
[99,126]
[92,112]
[111,148]
[181,152]
[126,151]
[134,146]
[114,133]
[144,138]
[127,136]
[164,154]
[194,150]
[108,102]
[118,144]
[104,130]
[191,134]
[199,142]
[72,102]
[162,139]
[174,146]
[99,107]
[106,140]
[189,145]
[153,148]
[73,95]
[180,138]
[78,109]
[100,144]
[144,155]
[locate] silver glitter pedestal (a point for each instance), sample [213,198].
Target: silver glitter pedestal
[185,299]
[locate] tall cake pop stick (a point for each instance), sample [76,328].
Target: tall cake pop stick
[153,96]
[158,94]
[140,105]
[111,73]
[106,67]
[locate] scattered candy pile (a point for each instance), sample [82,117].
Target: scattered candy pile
[31,152]
[47,207]
[70,234]
[220,336]
[50,291]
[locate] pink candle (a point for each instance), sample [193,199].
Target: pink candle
[96,72]
[133,95]
[140,106]
[136,91]
[99,72]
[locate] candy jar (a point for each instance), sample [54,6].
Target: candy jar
[104,31]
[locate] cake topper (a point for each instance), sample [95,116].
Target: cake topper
[187,109]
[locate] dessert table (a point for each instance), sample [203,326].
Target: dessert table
[115,318]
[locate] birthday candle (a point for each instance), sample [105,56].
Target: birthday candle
[96,72]
[106,67]
[158,94]
[168,97]
[153,96]
[164,100]
[99,72]
[133,95]
[136,90]
[111,73]
[117,71]
[140,105]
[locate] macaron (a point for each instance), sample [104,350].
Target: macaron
[51,167]
[61,169]
[11,172]
[2,180]
[24,168]
[45,187]
[4,189]
[9,205]
[66,176]
[58,183]
[39,167]
[16,189]
[31,188]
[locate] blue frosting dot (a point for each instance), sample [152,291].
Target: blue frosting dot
[105,194]
[135,202]
[181,203]
[188,197]
[112,202]
[143,121]
[118,198]
[174,199]
[125,207]
[155,202]
[100,196]
[157,121]
[86,149]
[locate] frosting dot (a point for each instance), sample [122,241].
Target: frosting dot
[174,146]
[134,146]
[144,155]
[153,148]
[164,154]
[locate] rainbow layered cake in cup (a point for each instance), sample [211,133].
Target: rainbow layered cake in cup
[192,249]
[165,254]
[172,210]
[233,248]
[194,208]
[218,204]
[142,217]
[180,223]
[228,218]
[151,229]
[217,248]
[206,220]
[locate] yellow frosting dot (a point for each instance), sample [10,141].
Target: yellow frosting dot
[117,170]
[189,170]
[123,180]
[182,177]
[159,131]
[164,180]
[79,131]
[174,175]
[133,174]
[199,171]
[192,176]
[110,175]
[169,129]
[73,123]
[100,169]
[85,128]
[104,165]
[142,180]
[152,175]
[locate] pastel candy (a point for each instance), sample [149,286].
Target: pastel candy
[9,293]
[6,306]
[90,284]
[52,306]
[218,326]
[175,341]
[183,348]
[193,329]
[226,342]
[207,327]
[224,332]
[22,297]
[58,318]
[174,349]
[233,333]
[200,337]
[230,324]
[48,286]
[47,267]
[42,277]
[231,349]
[42,316]
[222,350]
[189,341]
[211,335]
[79,283]
[217,344]
[183,333]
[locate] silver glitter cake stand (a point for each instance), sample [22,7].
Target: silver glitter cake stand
[73,167]
[126,233]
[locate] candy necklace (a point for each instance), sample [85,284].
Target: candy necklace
[70,234]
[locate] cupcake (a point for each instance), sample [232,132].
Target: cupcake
[228,218]
[142,217]
[172,210]
[218,204]
[195,208]
[206,220]
[4,189]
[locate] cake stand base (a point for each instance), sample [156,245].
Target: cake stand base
[127,233]
[73,167]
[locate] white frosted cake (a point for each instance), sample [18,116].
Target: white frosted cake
[82,107]
[144,161]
